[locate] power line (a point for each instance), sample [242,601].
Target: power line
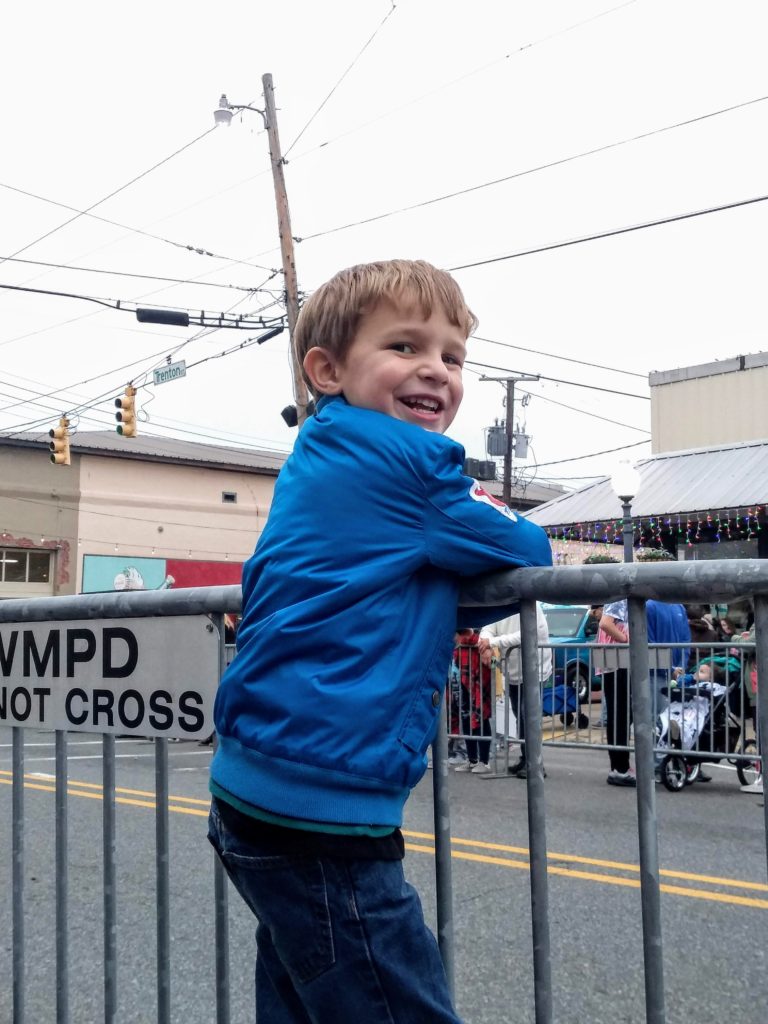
[559,380]
[196,249]
[573,408]
[532,170]
[121,273]
[124,306]
[462,78]
[607,451]
[615,231]
[566,359]
[590,476]
[111,194]
[584,412]
[135,519]
[362,50]
[92,403]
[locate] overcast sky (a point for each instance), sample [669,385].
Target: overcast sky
[444,97]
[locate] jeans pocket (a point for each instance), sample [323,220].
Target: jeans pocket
[289,896]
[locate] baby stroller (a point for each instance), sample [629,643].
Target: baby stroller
[699,726]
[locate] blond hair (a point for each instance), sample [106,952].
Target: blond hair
[330,317]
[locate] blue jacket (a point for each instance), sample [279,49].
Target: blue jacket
[349,612]
[668,624]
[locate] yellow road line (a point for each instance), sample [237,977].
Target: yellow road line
[93,791]
[596,862]
[589,876]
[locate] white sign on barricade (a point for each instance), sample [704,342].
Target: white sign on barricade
[139,676]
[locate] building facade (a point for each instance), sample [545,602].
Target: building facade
[138,513]
[712,404]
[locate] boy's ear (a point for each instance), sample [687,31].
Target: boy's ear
[322,368]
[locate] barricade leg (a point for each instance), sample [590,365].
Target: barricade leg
[17,842]
[646,812]
[62,881]
[220,882]
[110,879]
[761,652]
[163,883]
[443,870]
[542,959]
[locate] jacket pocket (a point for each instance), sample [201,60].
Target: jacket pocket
[420,719]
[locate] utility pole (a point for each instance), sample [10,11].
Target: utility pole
[286,242]
[509,422]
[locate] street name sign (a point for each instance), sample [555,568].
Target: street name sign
[172,371]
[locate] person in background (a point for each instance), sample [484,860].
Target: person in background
[475,702]
[667,624]
[614,629]
[457,747]
[505,637]
[750,688]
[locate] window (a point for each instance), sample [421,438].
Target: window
[18,565]
[564,621]
[229,497]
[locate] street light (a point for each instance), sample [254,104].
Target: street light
[223,116]
[625,482]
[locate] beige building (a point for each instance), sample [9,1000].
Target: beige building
[713,404]
[128,513]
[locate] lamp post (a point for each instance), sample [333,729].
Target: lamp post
[625,482]
[223,116]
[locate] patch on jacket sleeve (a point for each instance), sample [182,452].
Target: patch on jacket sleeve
[479,494]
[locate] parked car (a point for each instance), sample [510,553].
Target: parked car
[573,624]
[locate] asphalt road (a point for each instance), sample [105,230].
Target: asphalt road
[714,897]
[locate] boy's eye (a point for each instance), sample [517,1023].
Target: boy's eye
[453,360]
[402,346]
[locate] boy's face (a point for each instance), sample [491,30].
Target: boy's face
[404,366]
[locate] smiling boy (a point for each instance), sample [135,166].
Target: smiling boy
[349,610]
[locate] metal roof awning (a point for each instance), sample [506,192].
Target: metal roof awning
[701,480]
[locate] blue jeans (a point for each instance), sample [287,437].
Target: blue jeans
[338,941]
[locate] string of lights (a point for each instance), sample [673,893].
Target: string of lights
[686,528]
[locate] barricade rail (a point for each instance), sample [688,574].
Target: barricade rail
[697,582]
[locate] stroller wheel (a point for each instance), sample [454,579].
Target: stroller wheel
[674,774]
[749,771]
[692,771]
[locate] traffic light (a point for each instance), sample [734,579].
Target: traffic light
[59,446]
[126,415]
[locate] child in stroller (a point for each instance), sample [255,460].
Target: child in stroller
[701,723]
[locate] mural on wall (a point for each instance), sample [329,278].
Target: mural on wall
[102,573]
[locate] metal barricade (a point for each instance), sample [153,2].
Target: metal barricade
[211,602]
[638,583]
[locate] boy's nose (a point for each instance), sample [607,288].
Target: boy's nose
[432,367]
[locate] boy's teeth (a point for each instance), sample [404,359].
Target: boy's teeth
[418,404]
